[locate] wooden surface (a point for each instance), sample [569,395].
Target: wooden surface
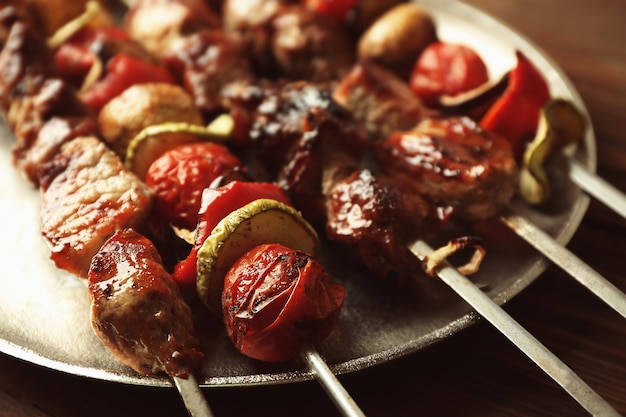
[477,372]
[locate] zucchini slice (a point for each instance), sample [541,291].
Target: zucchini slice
[261,221]
[154,141]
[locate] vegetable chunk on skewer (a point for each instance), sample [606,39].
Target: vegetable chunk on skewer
[275,299]
[261,221]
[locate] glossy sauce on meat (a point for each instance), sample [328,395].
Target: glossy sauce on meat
[87,195]
[296,131]
[453,164]
[374,213]
[137,310]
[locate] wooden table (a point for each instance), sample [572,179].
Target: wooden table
[476,372]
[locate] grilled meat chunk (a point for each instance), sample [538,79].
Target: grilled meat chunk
[207,62]
[137,310]
[379,99]
[306,46]
[31,96]
[299,137]
[160,24]
[454,165]
[52,135]
[288,40]
[87,195]
[374,214]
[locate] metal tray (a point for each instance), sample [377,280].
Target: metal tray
[44,312]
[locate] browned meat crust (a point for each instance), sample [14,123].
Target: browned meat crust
[453,164]
[87,195]
[137,310]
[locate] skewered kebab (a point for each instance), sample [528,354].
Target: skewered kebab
[138,346]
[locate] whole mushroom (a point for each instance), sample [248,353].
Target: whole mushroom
[396,39]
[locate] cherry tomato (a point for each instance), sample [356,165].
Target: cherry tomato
[179,176]
[275,299]
[215,205]
[123,71]
[336,10]
[446,69]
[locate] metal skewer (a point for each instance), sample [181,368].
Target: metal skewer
[594,185]
[192,396]
[527,343]
[329,382]
[569,262]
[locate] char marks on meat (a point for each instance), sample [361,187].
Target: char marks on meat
[137,310]
[290,41]
[87,195]
[454,165]
[207,62]
[379,99]
[299,137]
[376,215]
[35,103]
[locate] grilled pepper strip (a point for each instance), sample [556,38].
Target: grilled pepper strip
[515,115]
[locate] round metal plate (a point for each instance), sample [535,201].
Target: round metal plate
[44,312]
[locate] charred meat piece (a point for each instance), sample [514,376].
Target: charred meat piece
[12,11]
[299,137]
[306,46]
[25,63]
[273,117]
[250,20]
[207,62]
[454,165]
[376,215]
[87,195]
[379,99]
[31,97]
[29,156]
[288,40]
[160,24]
[30,113]
[137,310]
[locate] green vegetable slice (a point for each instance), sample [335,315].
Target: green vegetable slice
[261,221]
[154,141]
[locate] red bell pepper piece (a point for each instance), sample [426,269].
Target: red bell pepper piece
[74,58]
[217,204]
[515,114]
[123,71]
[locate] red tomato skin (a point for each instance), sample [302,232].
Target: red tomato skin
[336,10]
[215,205]
[179,176]
[275,299]
[123,71]
[446,69]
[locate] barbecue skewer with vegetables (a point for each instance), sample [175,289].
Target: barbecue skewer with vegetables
[257,269]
